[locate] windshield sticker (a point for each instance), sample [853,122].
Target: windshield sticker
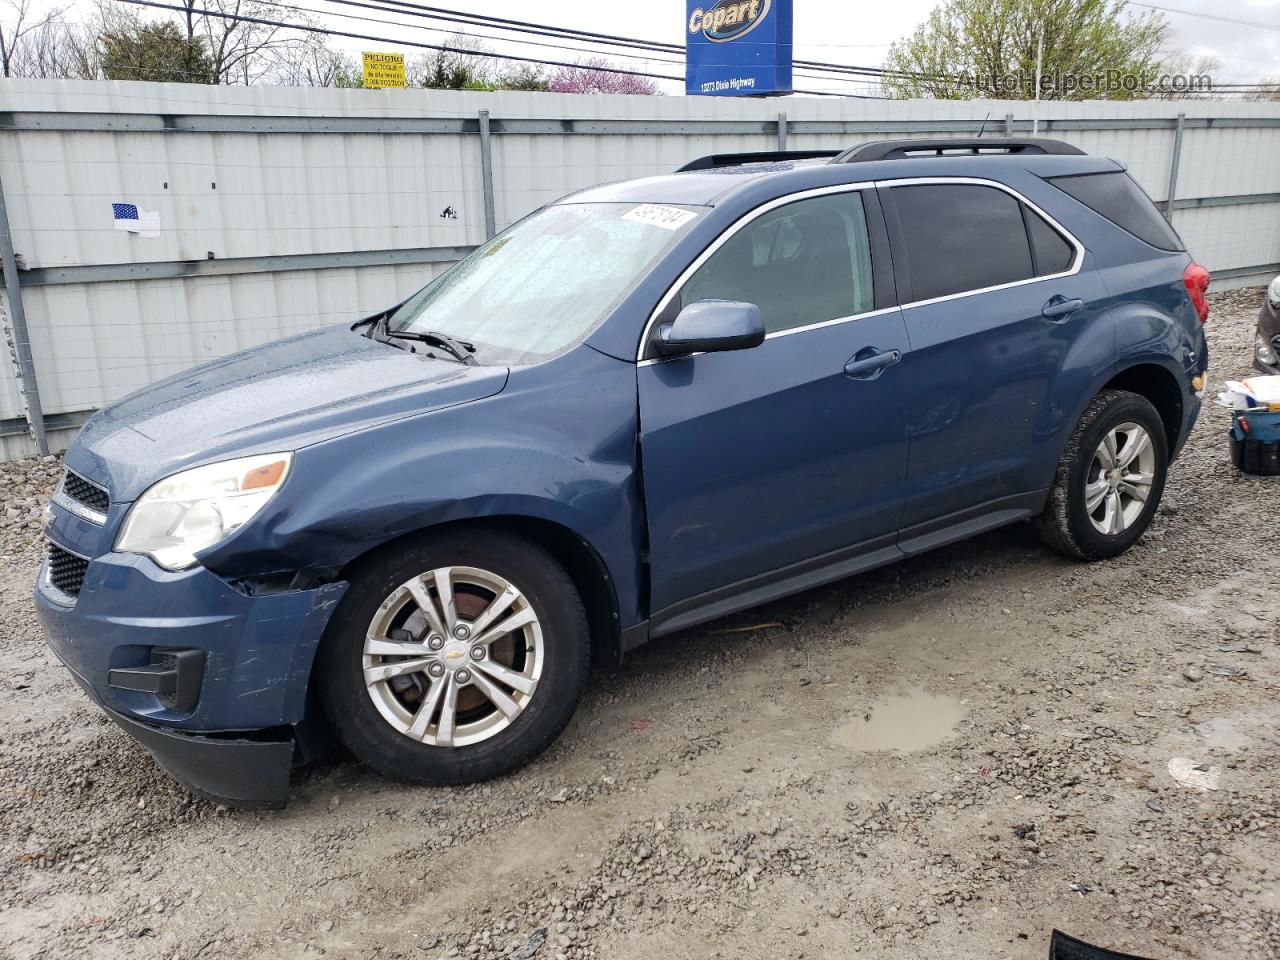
[669,218]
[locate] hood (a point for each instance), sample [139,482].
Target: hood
[280,396]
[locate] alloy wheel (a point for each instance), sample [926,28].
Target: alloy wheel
[453,656]
[1120,478]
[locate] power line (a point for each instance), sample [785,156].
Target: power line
[610,39]
[480,36]
[1206,16]
[533,43]
[519,26]
[306,28]
[525,26]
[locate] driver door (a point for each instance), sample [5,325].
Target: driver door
[776,462]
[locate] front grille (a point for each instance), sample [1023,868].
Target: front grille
[66,570]
[85,492]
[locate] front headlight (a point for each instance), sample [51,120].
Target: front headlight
[1273,293]
[192,510]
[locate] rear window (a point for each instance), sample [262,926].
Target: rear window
[961,237]
[1117,197]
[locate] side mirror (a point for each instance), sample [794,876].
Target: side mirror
[710,326]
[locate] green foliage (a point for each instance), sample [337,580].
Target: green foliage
[158,52]
[451,70]
[987,48]
[524,76]
[463,68]
[348,79]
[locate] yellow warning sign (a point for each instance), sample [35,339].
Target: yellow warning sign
[383,70]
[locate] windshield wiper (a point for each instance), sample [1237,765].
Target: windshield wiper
[459,349]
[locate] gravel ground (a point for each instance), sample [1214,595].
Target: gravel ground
[949,757]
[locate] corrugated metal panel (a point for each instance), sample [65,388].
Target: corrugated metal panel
[241,194]
[94,343]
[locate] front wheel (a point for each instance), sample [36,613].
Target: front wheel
[1109,480]
[456,659]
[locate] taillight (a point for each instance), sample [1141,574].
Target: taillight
[1196,279]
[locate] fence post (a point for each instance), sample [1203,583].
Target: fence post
[782,132]
[1008,124]
[18,334]
[486,175]
[1172,195]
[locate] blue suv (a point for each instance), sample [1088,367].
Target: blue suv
[644,406]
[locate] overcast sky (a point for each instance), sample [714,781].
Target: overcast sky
[837,31]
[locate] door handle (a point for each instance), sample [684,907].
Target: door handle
[1058,308]
[868,363]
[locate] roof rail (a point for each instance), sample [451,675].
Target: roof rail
[905,149]
[769,156]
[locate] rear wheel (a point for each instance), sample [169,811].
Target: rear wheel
[1109,480]
[455,660]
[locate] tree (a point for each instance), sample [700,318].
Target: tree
[28,39]
[53,47]
[156,51]
[1195,71]
[524,76]
[588,77]
[243,51]
[1268,89]
[453,69]
[987,48]
[467,66]
[312,63]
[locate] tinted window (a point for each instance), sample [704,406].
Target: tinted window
[805,262]
[1049,249]
[1116,197]
[961,237]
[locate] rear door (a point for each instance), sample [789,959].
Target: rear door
[998,308]
[758,460]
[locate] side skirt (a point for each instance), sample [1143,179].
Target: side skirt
[847,562]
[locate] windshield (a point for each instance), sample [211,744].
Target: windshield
[546,282]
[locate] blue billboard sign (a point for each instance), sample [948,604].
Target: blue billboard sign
[737,48]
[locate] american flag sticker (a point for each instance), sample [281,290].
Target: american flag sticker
[128,216]
[125,216]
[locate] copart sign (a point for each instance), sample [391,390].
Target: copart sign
[738,48]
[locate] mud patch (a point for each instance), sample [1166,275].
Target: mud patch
[904,722]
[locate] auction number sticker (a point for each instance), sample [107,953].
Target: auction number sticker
[669,218]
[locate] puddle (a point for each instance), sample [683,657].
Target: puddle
[903,722]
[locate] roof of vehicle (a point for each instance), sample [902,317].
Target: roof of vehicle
[709,180]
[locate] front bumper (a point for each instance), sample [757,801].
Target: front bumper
[229,738]
[249,774]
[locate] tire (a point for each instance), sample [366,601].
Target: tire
[1067,524]
[376,719]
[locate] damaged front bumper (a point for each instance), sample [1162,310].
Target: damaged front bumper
[249,774]
[213,681]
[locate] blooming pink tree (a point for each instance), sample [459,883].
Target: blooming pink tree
[588,77]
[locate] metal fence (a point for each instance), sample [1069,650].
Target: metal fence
[276,210]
